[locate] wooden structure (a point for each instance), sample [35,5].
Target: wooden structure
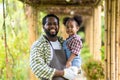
[112,41]
[90,10]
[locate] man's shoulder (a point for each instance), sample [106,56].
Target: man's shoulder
[41,40]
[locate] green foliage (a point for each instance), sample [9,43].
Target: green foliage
[85,53]
[17,64]
[1,1]
[103,53]
[18,46]
[102,29]
[94,70]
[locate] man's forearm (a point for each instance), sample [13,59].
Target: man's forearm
[59,73]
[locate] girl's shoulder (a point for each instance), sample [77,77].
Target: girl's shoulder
[76,37]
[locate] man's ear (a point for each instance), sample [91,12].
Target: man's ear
[43,27]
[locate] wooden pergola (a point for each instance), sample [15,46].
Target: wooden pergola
[91,12]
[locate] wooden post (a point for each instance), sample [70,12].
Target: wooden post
[93,33]
[32,18]
[118,39]
[89,32]
[97,33]
[112,46]
[107,40]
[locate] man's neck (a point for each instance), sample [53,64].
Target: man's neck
[52,38]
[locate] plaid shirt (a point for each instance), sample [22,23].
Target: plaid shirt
[40,57]
[74,44]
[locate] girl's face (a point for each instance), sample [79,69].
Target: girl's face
[71,27]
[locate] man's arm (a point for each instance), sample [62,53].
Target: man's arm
[38,66]
[68,73]
[59,73]
[42,70]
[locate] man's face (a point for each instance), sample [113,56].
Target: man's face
[51,27]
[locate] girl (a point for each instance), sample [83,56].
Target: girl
[73,44]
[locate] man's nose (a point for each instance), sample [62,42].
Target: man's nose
[52,25]
[69,28]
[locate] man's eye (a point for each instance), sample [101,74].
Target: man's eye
[49,23]
[55,24]
[52,24]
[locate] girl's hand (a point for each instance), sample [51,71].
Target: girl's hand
[68,64]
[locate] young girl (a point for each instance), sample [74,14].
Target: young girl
[73,44]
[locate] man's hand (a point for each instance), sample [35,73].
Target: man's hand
[70,73]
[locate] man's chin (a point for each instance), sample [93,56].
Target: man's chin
[53,35]
[50,34]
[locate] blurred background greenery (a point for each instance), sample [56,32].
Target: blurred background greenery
[17,59]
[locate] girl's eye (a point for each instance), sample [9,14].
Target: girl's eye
[69,26]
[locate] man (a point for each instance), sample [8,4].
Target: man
[47,59]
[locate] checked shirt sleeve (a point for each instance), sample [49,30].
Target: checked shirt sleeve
[75,45]
[38,65]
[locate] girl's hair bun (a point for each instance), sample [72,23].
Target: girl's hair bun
[78,19]
[65,20]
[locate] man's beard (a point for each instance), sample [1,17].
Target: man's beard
[49,34]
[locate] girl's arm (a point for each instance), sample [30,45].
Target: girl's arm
[68,64]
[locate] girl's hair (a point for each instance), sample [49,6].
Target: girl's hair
[76,18]
[65,19]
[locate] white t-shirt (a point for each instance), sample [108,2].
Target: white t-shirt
[55,45]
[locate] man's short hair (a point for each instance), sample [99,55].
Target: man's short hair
[49,15]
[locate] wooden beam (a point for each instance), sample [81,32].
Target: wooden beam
[62,2]
[67,10]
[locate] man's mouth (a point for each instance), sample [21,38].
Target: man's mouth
[53,31]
